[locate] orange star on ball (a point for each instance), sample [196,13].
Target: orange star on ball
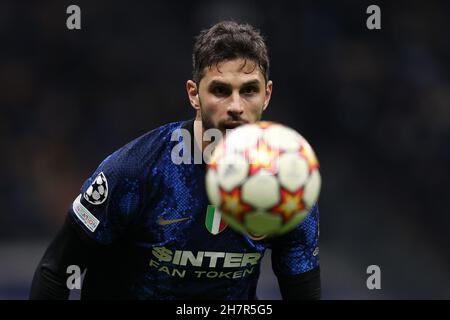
[291,202]
[263,157]
[231,202]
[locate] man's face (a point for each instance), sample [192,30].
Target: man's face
[231,94]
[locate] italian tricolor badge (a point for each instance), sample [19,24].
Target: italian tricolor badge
[214,222]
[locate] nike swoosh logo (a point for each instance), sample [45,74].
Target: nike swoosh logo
[164,222]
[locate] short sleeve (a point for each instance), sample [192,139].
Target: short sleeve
[108,202]
[298,251]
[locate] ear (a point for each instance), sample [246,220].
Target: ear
[192,91]
[269,86]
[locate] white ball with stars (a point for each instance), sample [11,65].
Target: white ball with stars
[264,178]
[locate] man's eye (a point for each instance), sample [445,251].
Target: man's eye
[249,90]
[220,91]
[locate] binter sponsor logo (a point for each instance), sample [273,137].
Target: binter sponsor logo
[210,259]
[173,262]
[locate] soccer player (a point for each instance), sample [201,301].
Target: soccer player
[140,226]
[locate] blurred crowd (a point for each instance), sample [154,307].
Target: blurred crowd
[375,104]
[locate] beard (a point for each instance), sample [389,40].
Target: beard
[229,123]
[207,121]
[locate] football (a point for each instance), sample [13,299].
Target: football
[263,178]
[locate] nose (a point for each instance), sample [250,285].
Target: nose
[235,107]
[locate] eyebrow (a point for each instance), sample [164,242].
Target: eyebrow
[213,83]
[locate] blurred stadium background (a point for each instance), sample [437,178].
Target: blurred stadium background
[374,104]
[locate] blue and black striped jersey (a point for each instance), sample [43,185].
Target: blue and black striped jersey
[150,217]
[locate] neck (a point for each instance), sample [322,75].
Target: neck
[198,133]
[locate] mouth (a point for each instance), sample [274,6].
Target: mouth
[233,124]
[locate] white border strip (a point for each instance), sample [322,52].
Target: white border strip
[84,215]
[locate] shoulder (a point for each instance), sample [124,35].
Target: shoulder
[133,162]
[149,143]
[135,157]
[112,197]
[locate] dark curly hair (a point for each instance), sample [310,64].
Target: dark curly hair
[228,40]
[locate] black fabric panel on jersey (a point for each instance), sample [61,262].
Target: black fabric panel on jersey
[72,247]
[305,286]
[49,281]
[109,275]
